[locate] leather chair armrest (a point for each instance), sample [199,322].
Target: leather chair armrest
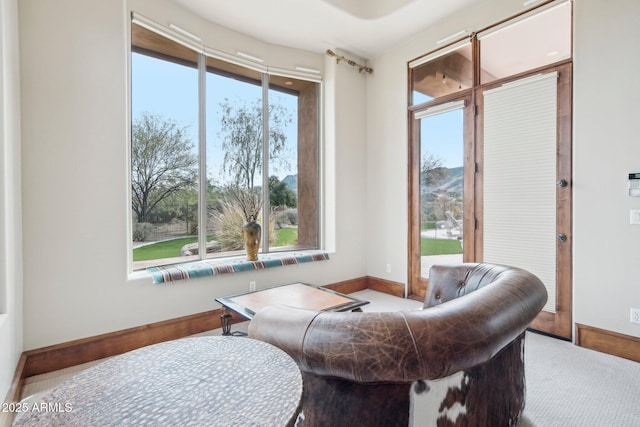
[283,326]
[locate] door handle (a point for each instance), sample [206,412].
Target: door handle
[561,237]
[562,183]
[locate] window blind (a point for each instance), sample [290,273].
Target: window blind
[197,46]
[439,109]
[166,32]
[520,121]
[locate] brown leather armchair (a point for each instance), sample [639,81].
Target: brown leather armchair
[456,362]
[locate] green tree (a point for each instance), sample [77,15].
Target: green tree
[280,195]
[242,137]
[162,162]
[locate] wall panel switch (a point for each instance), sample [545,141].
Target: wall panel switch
[634,216]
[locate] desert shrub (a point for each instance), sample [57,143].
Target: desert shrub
[142,231]
[228,222]
[228,226]
[281,219]
[292,215]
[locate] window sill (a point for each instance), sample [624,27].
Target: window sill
[214,267]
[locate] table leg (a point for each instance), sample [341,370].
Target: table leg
[225,320]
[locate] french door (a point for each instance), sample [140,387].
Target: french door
[523,198]
[491,172]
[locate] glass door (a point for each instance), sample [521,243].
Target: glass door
[441,188]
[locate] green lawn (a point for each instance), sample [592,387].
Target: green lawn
[286,236]
[171,248]
[439,246]
[165,249]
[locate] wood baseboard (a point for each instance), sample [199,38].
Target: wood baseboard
[625,346]
[368,282]
[84,350]
[349,286]
[386,286]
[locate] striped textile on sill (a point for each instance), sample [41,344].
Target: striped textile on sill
[190,270]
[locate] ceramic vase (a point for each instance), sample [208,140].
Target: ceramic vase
[252,233]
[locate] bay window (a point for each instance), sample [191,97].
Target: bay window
[207,130]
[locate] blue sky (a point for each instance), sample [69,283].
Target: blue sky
[443,136]
[170,89]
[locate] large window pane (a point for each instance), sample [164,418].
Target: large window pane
[283,163]
[234,154]
[293,164]
[441,188]
[164,155]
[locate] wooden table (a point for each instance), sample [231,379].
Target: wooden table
[200,381]
[300,295]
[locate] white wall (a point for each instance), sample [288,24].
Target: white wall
[74,111]
[10,204]
[606,87]
[345,150]
[606,150]
[387,171]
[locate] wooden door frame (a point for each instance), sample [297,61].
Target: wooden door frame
[560,323]
[417,285]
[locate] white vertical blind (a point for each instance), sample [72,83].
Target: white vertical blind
[519,177]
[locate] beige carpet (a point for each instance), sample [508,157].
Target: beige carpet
[570,386]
